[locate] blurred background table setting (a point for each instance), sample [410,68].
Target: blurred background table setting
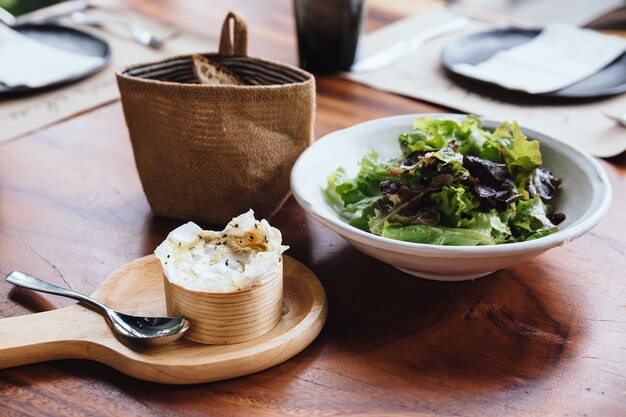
[492,58]
[60,60]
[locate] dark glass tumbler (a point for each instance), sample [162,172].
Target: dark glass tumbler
[328,33]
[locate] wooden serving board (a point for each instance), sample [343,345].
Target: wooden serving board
[137,288]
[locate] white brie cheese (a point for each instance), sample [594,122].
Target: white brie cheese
[246,253]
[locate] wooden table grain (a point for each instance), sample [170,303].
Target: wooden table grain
[546,338]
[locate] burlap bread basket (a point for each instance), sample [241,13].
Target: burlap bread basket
[211,152]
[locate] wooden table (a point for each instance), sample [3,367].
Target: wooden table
[544,338]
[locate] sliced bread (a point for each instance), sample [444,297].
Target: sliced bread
[208,72]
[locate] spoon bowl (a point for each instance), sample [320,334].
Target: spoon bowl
[152,331]
[148,330]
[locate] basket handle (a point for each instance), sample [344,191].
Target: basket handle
[237,44]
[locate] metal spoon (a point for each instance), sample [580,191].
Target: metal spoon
[143,330]
[139,34]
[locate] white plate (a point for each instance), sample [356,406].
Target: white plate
[585,197]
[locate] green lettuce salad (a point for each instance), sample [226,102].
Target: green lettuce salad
[455,183]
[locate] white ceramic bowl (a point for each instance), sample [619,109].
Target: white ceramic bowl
[585,197]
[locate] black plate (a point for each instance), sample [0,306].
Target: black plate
[479,47]
[65,38]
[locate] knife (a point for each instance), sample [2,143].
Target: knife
[402,49]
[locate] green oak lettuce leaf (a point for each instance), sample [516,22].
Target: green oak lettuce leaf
[519,152]
[531,220]
[355,198]
[344,196]
[474,143]
[448,155]
[364,185]
[433,134]
[445,159]
[483,229]
[438,235]
[478,142]
[454,203]
[420,141]
[372,173]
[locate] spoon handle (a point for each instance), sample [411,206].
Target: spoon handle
[24,280]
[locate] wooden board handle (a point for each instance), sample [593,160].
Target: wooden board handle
[48,336]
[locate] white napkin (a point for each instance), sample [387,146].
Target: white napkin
[559,56]
[27,62]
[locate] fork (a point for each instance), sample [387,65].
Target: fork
[139,34]
[618,118]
